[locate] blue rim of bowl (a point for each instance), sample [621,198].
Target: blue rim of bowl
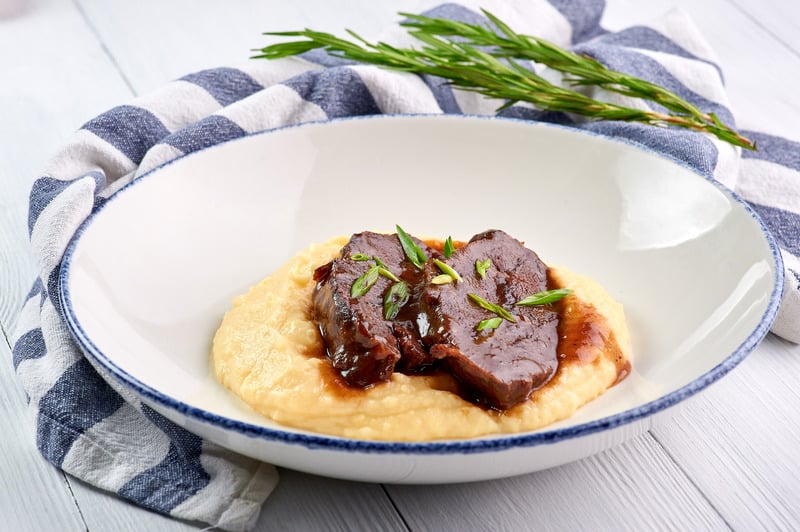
[466,446]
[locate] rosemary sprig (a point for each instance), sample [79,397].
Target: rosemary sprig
[475,58]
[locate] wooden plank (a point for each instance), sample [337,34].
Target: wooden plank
[762,92]
[634,472]
[33,494]
[154,42]
[61,78]
[635,486]
[778,17]
[304,502]
[739,439]
[104,511]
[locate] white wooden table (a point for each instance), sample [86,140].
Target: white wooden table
[730,459]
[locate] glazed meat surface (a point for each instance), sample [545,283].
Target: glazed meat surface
[437,327]
[364,346]
[500,366]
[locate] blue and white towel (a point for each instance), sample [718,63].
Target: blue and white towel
[108,438]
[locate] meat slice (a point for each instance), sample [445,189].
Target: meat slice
[364,346]
[499,366]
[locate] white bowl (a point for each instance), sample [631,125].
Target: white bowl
[147,279]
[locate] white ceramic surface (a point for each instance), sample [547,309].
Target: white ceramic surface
[149,276]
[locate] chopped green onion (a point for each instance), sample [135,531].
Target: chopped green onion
[412,250]
[448,247]
[442,279]
[366,281]
[491,323]
[481,266]
[395,298]
[383,269]
[542,298]
[497,309]
[388,274]
[444,268]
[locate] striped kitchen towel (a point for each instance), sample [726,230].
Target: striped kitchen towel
[100,433]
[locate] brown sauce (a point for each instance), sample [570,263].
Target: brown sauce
[583,333]
[335,383]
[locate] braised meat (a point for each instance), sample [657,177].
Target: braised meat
[443,322]
[362,344]
[501,366]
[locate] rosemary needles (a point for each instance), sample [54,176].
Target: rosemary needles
[479,59]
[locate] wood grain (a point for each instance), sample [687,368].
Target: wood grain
[104,511]
[762,91]
[33,494]
[776,17]
[738,440]
[603,492]
[304,502]
[61,78]
[176,38]
[726,460]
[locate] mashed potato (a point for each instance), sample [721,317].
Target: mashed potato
[270,354]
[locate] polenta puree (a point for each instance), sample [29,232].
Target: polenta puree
[269,352]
